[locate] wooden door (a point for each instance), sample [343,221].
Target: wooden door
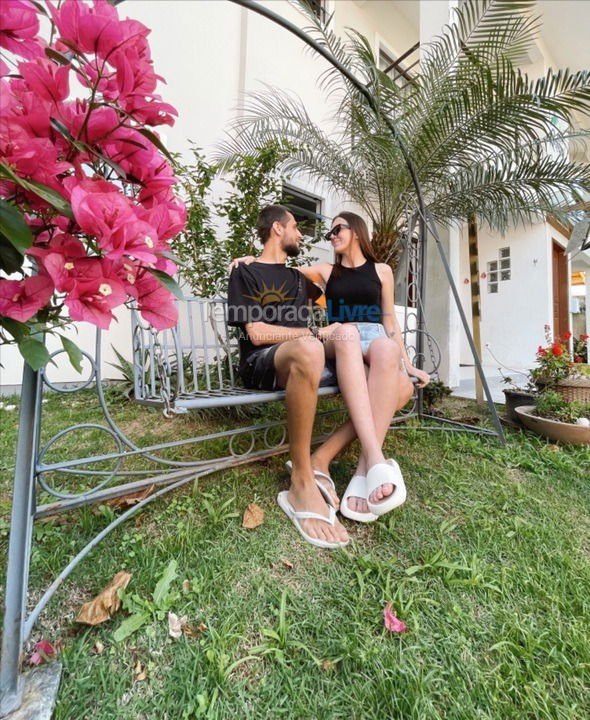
[560,294]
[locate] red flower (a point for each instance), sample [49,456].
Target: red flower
[584,337]
[541,351]
[578,359]
[567,335]
[557,349]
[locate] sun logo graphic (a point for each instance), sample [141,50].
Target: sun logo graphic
[270,294]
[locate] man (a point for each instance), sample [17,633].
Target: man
[269,302]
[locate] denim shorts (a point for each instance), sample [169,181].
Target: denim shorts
[368,332]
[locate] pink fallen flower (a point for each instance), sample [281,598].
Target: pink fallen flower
[44,652]
[392,623]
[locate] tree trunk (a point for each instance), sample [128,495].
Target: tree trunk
[475,301]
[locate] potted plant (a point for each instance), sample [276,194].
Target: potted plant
[558,370]
[516,396]
[556,418]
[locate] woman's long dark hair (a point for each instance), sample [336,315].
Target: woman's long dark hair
[360,229]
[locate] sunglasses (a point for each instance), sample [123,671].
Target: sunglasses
[336,230]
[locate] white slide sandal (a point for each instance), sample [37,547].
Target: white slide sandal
[357,487]
[381,474]
[296,515]
[322,488]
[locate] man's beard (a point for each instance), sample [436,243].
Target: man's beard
[292,249]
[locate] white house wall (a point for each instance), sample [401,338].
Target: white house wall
[513,319]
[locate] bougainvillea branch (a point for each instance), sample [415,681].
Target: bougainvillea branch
[87,205]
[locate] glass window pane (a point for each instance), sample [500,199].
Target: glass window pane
[505,275]
[493,288]
[504,252]
[493,277]
[505,264]
[493,265]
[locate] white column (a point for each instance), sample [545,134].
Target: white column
[442,316]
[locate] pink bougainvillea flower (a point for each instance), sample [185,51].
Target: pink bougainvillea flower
[46,79]
[44,652]
[100,209]
[93,300]
[392,623]
[156,304]
[134,238]
[167,219]
[19,26]
[65,261]
[90,29]
[21,299]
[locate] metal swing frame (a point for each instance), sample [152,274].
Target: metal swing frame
[159,383]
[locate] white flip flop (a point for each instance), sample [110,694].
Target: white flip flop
[296,515]
[322,488]
[357,487]
[380,474]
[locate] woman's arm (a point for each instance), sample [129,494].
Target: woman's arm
[318,273]
[391,324]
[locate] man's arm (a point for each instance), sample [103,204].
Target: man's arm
[261,333]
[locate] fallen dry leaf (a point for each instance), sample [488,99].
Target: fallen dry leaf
[193,631]
[175,624]
[98,647]
[139,673]
[126,501]
[253,516]
[553,448]
[327,665]
[186,586]
[287,563]
[106,603]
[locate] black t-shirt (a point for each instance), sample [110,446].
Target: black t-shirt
[270,293]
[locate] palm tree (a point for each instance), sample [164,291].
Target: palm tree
[487,142]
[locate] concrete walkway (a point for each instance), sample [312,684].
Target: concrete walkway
[466,388]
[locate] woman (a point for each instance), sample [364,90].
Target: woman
[372,366]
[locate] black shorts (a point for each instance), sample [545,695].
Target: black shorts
[259,372]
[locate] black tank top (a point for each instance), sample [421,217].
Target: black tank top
[355,295]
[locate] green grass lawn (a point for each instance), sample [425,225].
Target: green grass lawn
[488,564]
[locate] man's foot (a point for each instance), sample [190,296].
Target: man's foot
[325,470]
[307,498]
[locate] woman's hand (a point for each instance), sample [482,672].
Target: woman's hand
[247,259]
[423,377]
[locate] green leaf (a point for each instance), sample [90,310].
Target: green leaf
[18,330]
[153,138]
[168,282]
[74,353]
[14,228]
[57,56]
[46,193]
[11,259]
[163,585]
[130,625]
[34,352]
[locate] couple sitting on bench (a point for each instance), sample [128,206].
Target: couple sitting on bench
[279,348]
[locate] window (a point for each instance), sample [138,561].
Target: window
[499,270]
[306,209]
[397,70]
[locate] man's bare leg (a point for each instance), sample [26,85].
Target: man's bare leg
[299,365]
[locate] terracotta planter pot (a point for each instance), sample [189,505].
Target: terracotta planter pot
[552,429]
[516,398]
